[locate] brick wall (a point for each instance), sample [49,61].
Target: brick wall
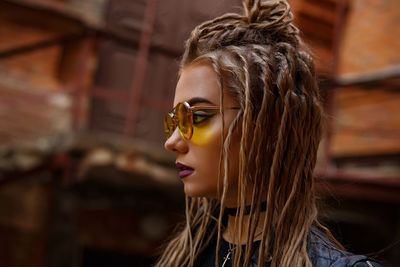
[366,120]
[371,39]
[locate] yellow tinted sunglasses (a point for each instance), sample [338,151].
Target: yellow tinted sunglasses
[182,116]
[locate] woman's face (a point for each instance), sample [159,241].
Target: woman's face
[199,87]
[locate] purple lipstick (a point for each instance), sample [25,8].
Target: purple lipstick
[184,170]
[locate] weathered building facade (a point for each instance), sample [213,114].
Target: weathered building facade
[83,88]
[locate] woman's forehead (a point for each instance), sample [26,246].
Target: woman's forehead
[197,81]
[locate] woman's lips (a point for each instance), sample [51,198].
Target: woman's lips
[184,170]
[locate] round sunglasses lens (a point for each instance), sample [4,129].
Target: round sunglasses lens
[184,123]
[168,125]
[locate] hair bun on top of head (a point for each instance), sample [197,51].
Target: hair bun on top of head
[270,14]
[263,22]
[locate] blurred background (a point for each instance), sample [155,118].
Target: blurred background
[84,178]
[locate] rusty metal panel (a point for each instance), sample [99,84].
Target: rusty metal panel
[126,15]
[115,67]
[117,64]
[107,116]
[149,125]
[114,74]
[176,18]
[161,77]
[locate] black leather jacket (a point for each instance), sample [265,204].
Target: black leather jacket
[322,252]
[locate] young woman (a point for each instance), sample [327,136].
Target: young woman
[245,127]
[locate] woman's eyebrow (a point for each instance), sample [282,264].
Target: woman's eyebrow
[197,100]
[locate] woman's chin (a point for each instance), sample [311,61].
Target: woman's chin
[192,191]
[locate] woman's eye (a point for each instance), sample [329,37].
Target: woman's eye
[199,117]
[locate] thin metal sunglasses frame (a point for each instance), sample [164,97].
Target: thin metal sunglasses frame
[191,110]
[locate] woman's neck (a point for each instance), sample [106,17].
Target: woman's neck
[231,234]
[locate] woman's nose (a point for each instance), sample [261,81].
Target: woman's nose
[175,143]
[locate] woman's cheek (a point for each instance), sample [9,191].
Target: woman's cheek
[205,133]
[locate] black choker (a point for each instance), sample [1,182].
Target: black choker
[233,211]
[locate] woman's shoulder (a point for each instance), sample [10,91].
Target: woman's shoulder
[323,252]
